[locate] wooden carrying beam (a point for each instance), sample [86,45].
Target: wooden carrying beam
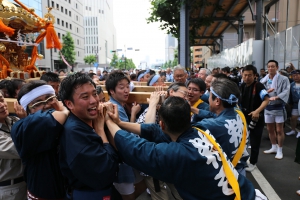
[140,88]
[138,97]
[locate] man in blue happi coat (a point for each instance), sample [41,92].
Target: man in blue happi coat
[87,160]
[36,138]
[191,159]
[227,125]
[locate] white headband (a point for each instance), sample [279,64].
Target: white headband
[36,92]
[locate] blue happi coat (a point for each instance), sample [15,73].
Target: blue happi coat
[189,163]
[227,128]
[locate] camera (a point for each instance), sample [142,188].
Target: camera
[253,123]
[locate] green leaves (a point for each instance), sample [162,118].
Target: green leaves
[167,12]
[68,49]
[90,59]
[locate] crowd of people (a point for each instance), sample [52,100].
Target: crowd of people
[64,140]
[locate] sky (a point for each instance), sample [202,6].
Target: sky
[133,31]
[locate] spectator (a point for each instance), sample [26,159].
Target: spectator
[208,81]
[278,87]
[180,75]
[203,73]
[169,75]
[254,99]
[294,102]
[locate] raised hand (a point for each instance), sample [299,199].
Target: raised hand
[19,110]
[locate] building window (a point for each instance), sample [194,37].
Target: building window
[66,11]
[76,17]
[67,25]
[70,14]
[69,1]
[102,11]
[55,50]
[57,6]
[58,21]
[89,8]
[58,34]
[63,35]
[62,22]
[71,26]
[77,41]
[76,5]
[52,4]
[77,30]
[62,9]
[78,53]
[86,8]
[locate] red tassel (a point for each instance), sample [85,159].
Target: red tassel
[51,38]
[7,30]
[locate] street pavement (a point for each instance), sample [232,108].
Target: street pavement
[277,179]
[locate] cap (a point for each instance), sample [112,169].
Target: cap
[297,71]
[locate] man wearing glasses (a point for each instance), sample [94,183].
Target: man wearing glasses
[36,139]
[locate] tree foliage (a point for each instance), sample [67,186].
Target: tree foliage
[126,64]
[167,13]
[115,61]
[68,49]
[90,59]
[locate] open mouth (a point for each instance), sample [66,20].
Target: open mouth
[93,110]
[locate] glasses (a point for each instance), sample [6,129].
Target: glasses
[193,89]
[42,103]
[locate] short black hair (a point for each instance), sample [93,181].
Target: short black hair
[7,84]
[113,79]
[133,77]
[250,68]
[273,61]
[226,69]
[199,82]
[50,76]
[91,74]
[220,75]
[99,89]
[175,113]
[71,83]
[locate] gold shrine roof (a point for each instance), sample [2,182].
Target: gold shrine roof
[18,18]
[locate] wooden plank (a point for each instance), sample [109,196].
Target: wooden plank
[32,79]
[140,88]
[139,97]
[10,104]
